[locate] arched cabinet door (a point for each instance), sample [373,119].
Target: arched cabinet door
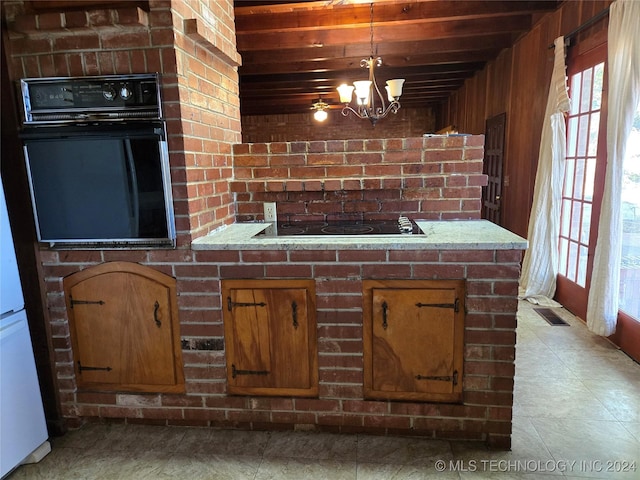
[124,327]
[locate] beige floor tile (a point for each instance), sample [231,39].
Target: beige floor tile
[307,469]
[402,450]
[377,471]
[233,442]
[312,445]
[210,467]
[587,441]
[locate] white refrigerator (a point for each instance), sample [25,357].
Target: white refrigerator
[23,429]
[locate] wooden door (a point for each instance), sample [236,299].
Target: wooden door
[493,162]
[413,334]
[270,335]
[123,319]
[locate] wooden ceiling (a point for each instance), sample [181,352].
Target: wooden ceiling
[294,53]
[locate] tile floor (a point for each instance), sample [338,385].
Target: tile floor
[576,415]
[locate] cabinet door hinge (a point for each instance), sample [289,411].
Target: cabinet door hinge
[235,372]
[455,305]
[231,304]
[73,302]
[82,368]
[451,378]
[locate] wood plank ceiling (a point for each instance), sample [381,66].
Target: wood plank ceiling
[294,53]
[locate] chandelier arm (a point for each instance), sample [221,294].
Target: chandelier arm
[368,114]
[360,114]
[377,61]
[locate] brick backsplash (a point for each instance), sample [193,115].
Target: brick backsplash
[427,177]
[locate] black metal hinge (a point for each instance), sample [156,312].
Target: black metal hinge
[235,372]
[451,378]
[82,368]
[73,302]
[455,305]
[231,304]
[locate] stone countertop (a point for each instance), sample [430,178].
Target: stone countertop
[438,235]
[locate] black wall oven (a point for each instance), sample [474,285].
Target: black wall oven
[97,161]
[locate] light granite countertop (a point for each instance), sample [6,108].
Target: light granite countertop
[437,235]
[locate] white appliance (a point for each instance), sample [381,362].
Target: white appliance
[23,429]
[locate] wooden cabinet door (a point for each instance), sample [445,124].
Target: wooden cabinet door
[413,333]
[270,334]
[123,320]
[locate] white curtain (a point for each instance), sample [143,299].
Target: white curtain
[623,96]
[540,264]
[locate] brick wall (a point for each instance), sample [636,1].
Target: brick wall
[192,44]
[488,357]
[209,104]
[408,122]
[425,177]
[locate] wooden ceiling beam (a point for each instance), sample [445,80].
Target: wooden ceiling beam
[388,60]
[344,15]
[489,41]
[393,72]
[247,41]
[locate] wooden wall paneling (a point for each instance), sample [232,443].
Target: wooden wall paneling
[480,113]
[499,85]
[525,133]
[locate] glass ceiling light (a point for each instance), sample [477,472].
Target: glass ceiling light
[320,114]
[365,97]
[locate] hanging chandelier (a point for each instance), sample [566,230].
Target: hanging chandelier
[367,90]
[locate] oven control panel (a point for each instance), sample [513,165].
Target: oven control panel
[80,99]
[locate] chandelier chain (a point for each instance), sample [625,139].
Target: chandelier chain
[371,27]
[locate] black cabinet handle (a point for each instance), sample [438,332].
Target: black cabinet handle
[294,314]
[156,307]
[384,315]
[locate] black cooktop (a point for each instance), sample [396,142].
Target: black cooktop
[366,227]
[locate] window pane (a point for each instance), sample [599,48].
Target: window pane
[575,221]
[583,135]
[589,180]
[572,136]
[573,261]
[598,76]
[579,182]
[576,81]
[585,98]
[582,266]
[568,178]
[586,223]
[593,134]
[566,218]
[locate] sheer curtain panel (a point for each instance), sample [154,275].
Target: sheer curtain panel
[623,96]
[540,264]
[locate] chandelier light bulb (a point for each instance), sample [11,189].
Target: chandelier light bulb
[346,92]
[320,115]
[394,87]
[363,88]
